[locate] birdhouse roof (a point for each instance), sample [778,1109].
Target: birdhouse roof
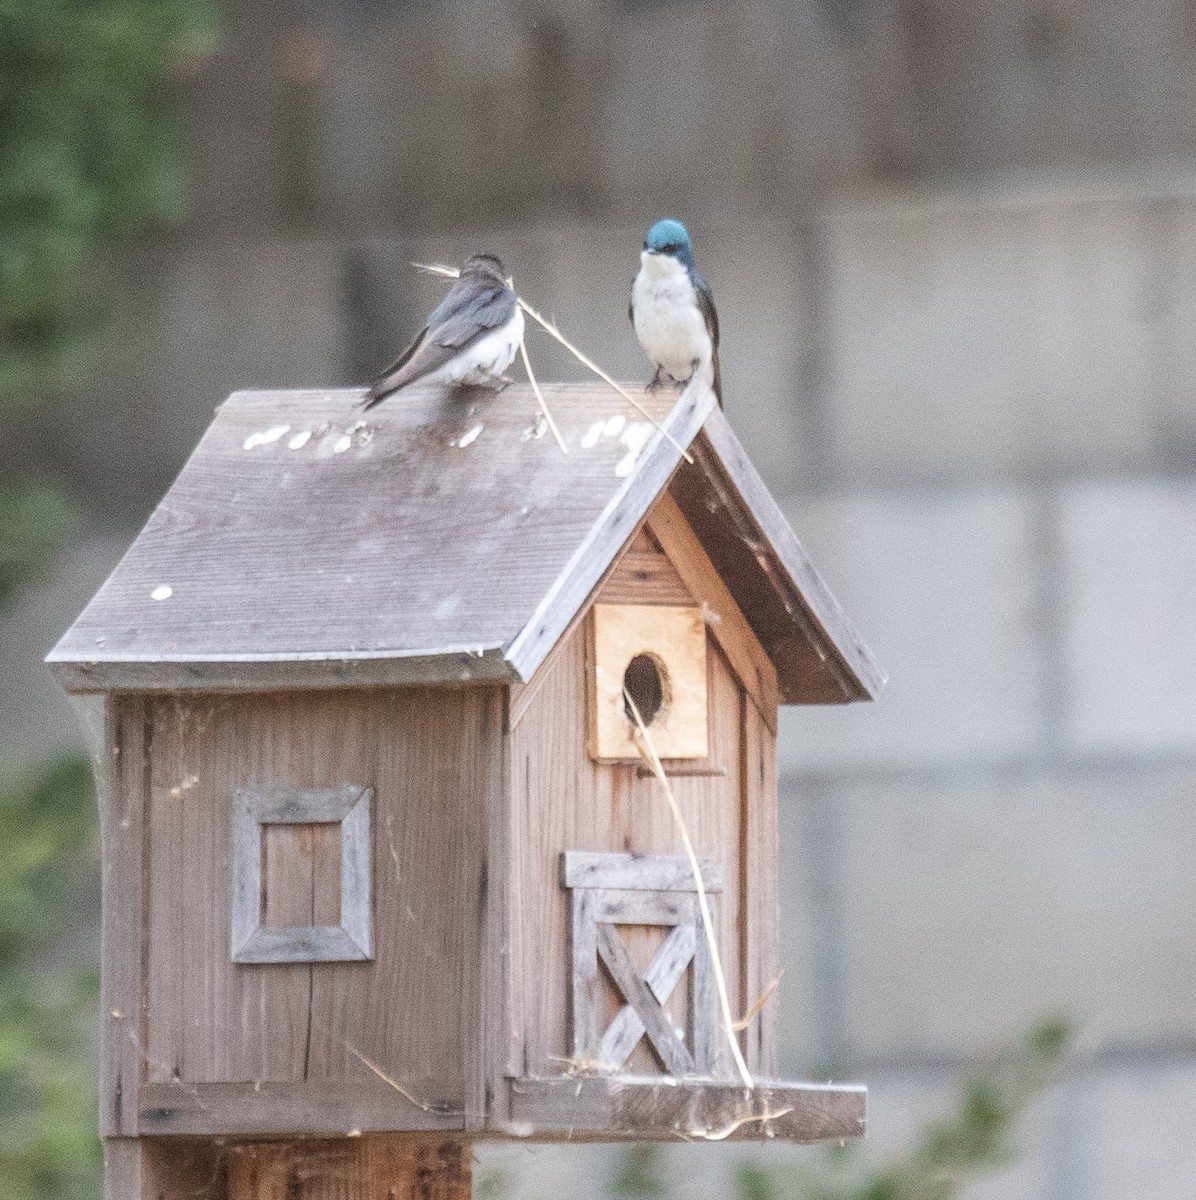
[439,538]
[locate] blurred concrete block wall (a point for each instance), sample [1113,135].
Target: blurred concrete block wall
[954,251]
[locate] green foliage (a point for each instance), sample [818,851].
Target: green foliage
[491,1183]
[640,1175]
[88,154]
[753,1182]
[975,1138]
[33,522]
[48,1145]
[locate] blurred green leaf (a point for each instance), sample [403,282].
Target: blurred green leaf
[753,1182]
[48,1145]
[33,523]
[975,1138]
[641,1174]
[87,157]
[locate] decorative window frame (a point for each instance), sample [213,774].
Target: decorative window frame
[350,941]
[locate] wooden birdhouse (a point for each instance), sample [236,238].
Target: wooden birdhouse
[382,854]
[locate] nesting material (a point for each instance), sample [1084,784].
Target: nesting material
[653,760]
[551,327]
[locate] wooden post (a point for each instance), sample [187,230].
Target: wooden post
[164,1169]
[372,1167]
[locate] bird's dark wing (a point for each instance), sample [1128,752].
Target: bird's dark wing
[710,316]
[469,310]
[484,308]
[384,384]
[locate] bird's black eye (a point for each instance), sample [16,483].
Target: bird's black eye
[646,246]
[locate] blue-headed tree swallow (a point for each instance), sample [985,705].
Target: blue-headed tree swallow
[470,338]
[672,310]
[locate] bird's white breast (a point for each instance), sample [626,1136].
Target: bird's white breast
[488,357]
[667,319]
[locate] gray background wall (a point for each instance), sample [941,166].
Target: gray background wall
[954,251]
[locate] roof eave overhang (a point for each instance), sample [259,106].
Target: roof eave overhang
[819,656]
[384,669]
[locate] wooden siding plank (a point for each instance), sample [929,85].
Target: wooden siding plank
[485,1030]
[722,799]
[761,900]
[405,1014]
[120,782]
[645,577]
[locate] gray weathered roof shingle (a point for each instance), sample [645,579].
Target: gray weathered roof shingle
[445,538]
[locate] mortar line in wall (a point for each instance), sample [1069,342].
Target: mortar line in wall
[933,1068]
[1027,481]
[1052,768]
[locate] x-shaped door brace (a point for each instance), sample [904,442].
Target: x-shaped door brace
[644,1012]
[609,890]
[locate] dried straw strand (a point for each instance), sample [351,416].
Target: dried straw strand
[531,376]
[377,1070]
[721,1135]
[550,327]
[648,752]
[753,1012]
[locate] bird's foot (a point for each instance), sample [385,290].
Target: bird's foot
[497,383]
[657,380]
